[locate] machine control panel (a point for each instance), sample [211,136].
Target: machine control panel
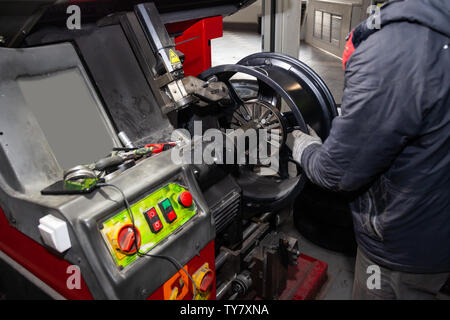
[156,217]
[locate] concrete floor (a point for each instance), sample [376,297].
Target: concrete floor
[327,66]
[237,44]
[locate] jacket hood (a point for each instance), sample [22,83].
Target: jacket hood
[434,14]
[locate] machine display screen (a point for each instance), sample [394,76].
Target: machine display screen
[68,115]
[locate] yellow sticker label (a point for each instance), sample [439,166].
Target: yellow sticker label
[174,59]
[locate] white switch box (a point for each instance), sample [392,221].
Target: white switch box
[54,232]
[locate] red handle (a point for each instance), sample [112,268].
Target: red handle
[159,147]
[129,241]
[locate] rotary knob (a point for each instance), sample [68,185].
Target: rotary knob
[127,239]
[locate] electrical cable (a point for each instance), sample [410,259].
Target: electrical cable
[172,260]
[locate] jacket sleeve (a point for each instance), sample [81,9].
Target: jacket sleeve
[381,112]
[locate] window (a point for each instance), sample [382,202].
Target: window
[336,29]
[318,24]
[327,27]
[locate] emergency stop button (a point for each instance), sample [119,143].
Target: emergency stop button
[185,199]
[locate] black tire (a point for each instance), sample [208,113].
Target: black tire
[324,218]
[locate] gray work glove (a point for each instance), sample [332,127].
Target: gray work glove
[302,140]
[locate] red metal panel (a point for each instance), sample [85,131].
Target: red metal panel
[313,281]
[45,265]
[197,48]
[206,255]
[305,279]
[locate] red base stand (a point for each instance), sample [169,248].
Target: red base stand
[305,279]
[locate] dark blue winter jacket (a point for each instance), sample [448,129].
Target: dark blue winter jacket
[391,145]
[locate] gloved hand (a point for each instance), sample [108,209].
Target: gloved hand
[302,140]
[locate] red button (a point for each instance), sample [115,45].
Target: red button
[171,215]
[185,199]
[128,241]
[157,225]
[151,213]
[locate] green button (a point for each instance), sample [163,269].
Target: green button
[166,203]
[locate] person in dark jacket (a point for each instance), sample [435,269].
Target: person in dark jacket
[391,147]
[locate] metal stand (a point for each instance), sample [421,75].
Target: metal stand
[281,26]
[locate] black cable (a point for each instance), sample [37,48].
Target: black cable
[172,260]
